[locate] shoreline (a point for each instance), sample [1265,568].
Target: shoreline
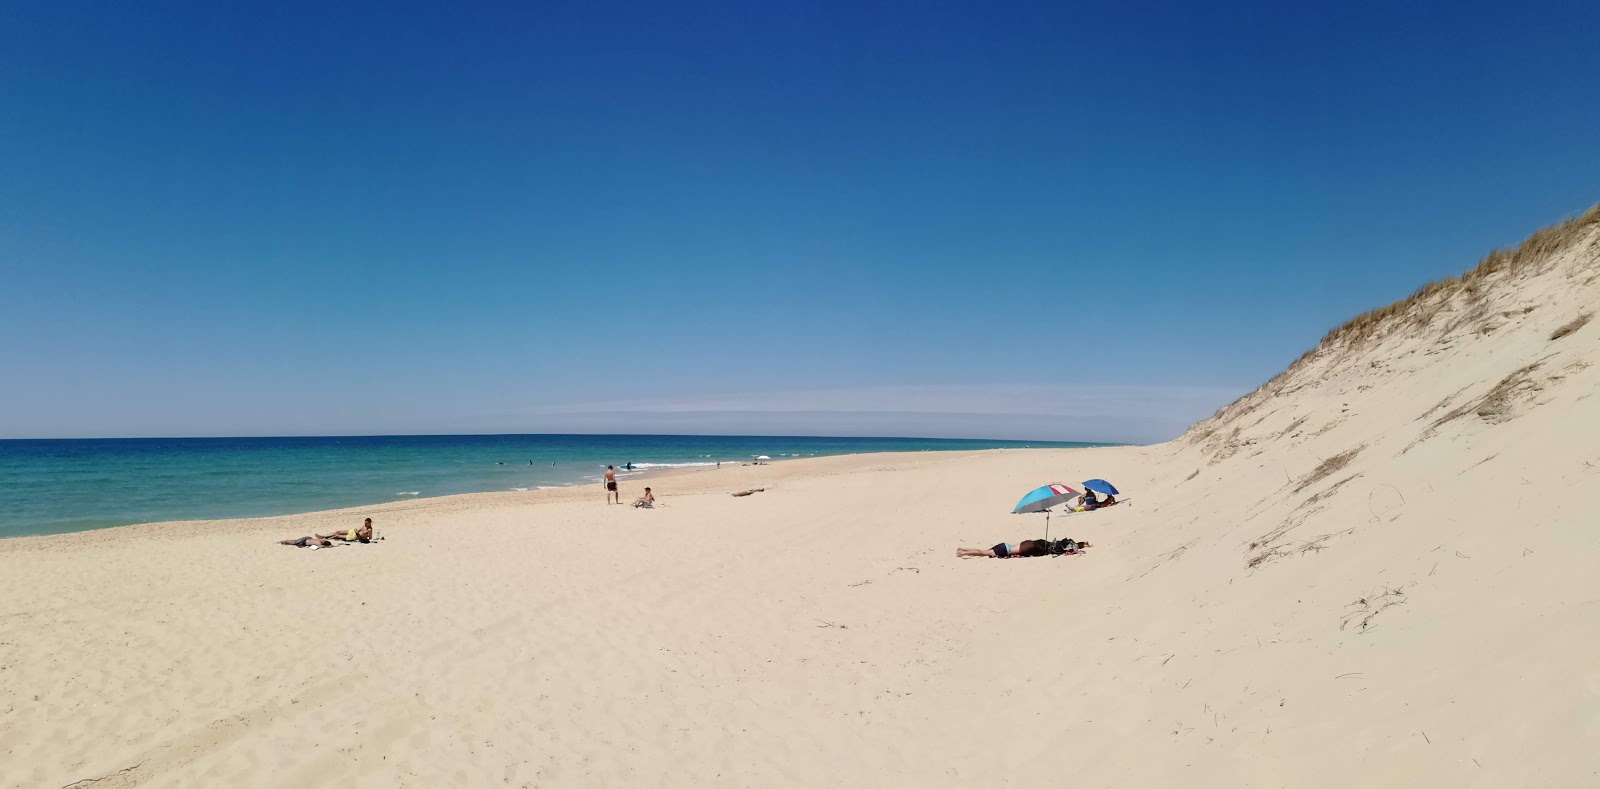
[62,487]
[450,502]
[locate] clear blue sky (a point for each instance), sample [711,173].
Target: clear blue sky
[1048,220]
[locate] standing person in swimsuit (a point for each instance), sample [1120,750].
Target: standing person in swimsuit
[611,486]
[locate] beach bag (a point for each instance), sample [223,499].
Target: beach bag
[1064,545]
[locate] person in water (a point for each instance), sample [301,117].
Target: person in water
[647,500]
[1007,549]
[611,485]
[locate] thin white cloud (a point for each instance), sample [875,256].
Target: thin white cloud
[1085,412]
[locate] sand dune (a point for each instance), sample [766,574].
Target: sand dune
[1374,571]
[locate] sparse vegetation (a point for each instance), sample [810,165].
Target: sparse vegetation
[1498,404]
[1272,538]
[1442,403]
[1327,467]
[1367,608]
[1332,489]
[1422,307]
[1571,326]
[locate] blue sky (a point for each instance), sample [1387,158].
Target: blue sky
[1054,220]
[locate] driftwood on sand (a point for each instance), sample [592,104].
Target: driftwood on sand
[748,492]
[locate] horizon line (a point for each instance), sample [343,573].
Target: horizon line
[487,435]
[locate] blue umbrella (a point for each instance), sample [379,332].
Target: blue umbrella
[1042,498]
[1102,486]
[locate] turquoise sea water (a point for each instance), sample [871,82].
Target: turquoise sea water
[53,486]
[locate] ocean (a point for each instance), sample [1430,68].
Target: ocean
[63,485]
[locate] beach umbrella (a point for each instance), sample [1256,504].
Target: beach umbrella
[1102,486]
[762,457]
[1042,498]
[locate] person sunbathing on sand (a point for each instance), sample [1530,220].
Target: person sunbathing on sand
[1006,549]
[647,500]
[363,534]
[1068,547]
[312,541]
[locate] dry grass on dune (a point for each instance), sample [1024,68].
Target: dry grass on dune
[1424,307]
[1328,467]
[1571,326]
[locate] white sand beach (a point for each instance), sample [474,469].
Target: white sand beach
[1375,571]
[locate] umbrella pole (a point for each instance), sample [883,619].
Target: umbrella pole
[1046,525]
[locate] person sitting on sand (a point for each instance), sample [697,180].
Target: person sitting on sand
[1088,500]
[312,541]
[363,534]
[646,501]
[1007,549]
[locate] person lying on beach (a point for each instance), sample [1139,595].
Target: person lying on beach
[647,500]
[1068,547]
[363,534]
[1007,549]
[312,541]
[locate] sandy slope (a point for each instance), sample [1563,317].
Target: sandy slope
[1376,571]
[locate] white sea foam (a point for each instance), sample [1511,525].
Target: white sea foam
[409,493]
[520,490]
[638,466]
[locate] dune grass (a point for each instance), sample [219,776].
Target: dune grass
[1423,306]
[1571,326]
